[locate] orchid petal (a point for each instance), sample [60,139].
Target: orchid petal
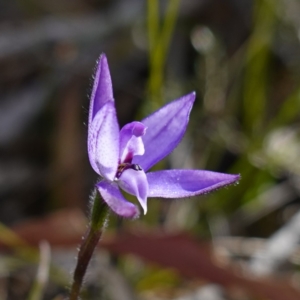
[131,142]
[186,183]
[166,128]
[115,200]
[135,183]
[102,89]
[103,142]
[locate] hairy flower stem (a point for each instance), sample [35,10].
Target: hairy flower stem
[90,240]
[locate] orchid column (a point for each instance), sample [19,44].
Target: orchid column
[123,158]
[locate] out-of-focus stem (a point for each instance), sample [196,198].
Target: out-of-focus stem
[38,286]
[153,25]
[159,42]
[90,240]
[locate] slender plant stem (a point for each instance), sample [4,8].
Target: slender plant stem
[38,287]
[153,26]
[90,240]
[159,42]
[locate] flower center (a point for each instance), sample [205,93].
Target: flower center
[124,166]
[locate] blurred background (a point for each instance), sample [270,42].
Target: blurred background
[242,57]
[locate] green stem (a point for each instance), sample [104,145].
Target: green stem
[90,240]
[159,42]
[153,25]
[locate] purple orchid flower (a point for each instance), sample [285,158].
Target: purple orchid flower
[122,157]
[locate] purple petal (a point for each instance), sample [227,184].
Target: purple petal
[102,88]
[131,142]
[165,129]
[135,183]
[115,200]
[186,183]
[103,142]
